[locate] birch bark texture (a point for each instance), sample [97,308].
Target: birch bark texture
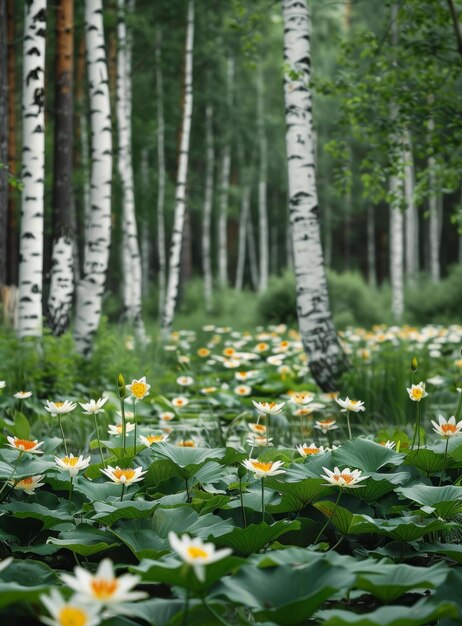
[411,217]
[62,257]
[33,171]
[434,217]
[326,359]
[180,194]
[3,141]
[207,210]
[90,289]
[262,186]
[161,250]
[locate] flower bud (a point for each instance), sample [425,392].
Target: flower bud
[414,364]
[121,386]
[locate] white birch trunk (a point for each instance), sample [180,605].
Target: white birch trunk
[33,171]
[396,248]
[161,248]
[411,219]
[207,211]
[243,229]
[325,357]
[96,254]
[328,235]
[253,261]
[224,184]
[131,261]
[371,262]
[145,239]
[180,195]
[434,222]
[85,172]
[262,191]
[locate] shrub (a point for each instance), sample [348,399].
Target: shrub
[441,302]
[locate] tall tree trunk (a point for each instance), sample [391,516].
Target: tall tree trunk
[328,235]
[325,356]
[131,260]
[396,248]
[62,258]
[96,255]
[411,219]
[161,247]
[145,234]
[244,170]
[371,254]
[207,211]
[3,141]
[83,132]
[224,182]
[33,171]
[434,225]
[252,246]
[12,241]
[262,193]
[180,195]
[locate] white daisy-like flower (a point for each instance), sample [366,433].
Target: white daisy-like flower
[310,450]
[126,476]
[243,390]
[29,484]
[150,439]
[350,405]
[268,408]
[207,390]
[167,416]
[72,464]
[259,442]
[185,381]
[343,478]
[263,469]
[25,445]
[179,402]
[388,444]
[242,376]
[139,388]
[231,363]
[22,395]
[103,587]
[326,425]
[447,428]
[417,392]
[116,429]
[94,406]
[72,612]
[196,553]
[59,408]
[258,429]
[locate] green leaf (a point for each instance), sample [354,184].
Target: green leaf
[18,582]
[21,427]
[188,459]
[425,460]
[446,500]
[256,536]
[84,540]
[341,518]
[297,495]
[365,455]
[48,508]
[109,514]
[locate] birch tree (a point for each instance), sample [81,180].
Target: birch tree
[325,357]
[3,140]
[434,221]
[96,253]
[62,258]
[262,191]
[161,248]
[13,255]
[207,211]
[180,194]
[411,218]
[33,171]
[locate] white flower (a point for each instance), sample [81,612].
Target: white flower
[72,464]
[179,402]
[243,390]
[326,425]
[263,469]
[29,484]
[417,392]
[436,380]
[25,445]
[167,416]
[22,395]
[301,398]
[268,408]
[150,439]
[350,405]
[305,450]
[388,444]
[260,442]
[258,429]
[125,476]
[2,384]
[447,428]
[4,564]
[344,478]
[59,408]
[73,612]
[139,388]
[116,429]
[195,552]
[231,363]
[185,381]
[103,587]
[245,375]
[94,406]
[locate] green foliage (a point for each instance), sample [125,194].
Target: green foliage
[442,301]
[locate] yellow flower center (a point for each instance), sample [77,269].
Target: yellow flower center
[24,444]
[189,443]
[203,352]
[197,553]
[354,402]
[263,467]
[103,589]
[25,482]
[139,389]
[449,428]
[72,616]
[346,477]
[179,402]
[58,405]
[70,460]
[229,351]
[259,428]
[128,473]
[326,422]
[311,450]
[155,438]
[417,393]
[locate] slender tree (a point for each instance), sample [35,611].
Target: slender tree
[262,191]
[161,248]
[208,205]
[180,195]
[411,217]
[371,254]
[145,235]
[62,259]
[3,141]
[96,254]
[84,163]
[33,171]
[434,221]
[325,356]
[12,241]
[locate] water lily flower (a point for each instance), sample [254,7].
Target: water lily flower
[94,406]
[186,443]
[180,402]
[167,416]
[305,450]
[139,388]
[126,476]
[103,587]
[268,408]
[29,484]
[195,552]
[417,392]
[116,429]
[185,381]
[72,464]
[25,445]
[150,439]
[73,612]
[343,478]
[326,425]
[22,395]
[447,428]
[59,408]
[263,469]
[259,442]
[259,429]
[350,405]
[388,444]
[301,398]
[243,390]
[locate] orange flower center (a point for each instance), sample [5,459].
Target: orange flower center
[263,467]
[189,443]
[311,450]
[72,616]
[128,473]
[139,389]
[449,428]
[326,422]
[24,444]
[197,553]
[155,438]
[259,428]
[179,402]
[103,589]
[417,393]
[25,482]
[346,477]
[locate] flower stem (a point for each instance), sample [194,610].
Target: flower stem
[262,499]
[99,440]
[12,472]
[301,429]
[443,471]
[122,494]
[134,419]
[416,428]
[71,489]
[329,518]
[348,423]
[188,495]
[62,434]
[244,519]
[186,609]
[216,615]
[124,424]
